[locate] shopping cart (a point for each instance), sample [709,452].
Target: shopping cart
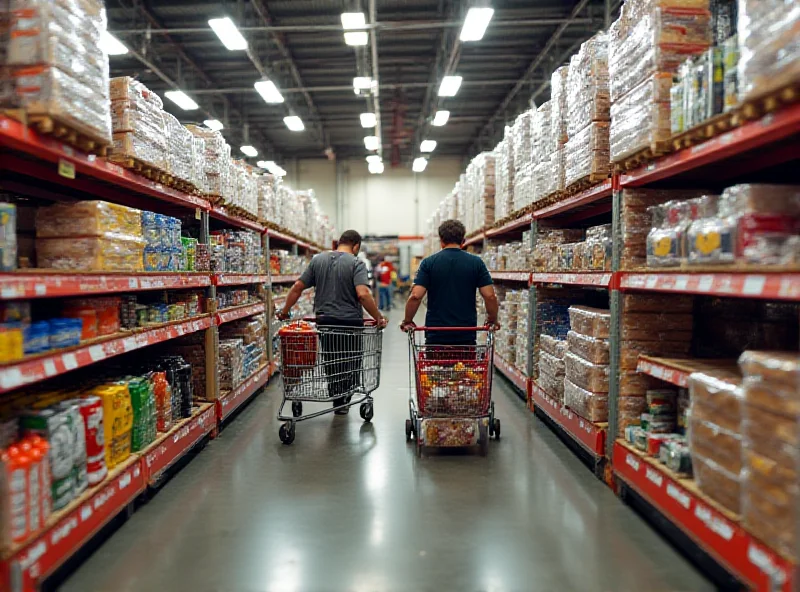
[322,363]
[453,386]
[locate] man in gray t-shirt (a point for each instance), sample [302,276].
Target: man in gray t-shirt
[342,292]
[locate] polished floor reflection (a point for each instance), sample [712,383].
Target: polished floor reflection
[348,507]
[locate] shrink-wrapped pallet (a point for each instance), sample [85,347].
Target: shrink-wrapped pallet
[587,85]
[586,154]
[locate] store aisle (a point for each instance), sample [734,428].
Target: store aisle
[348,507]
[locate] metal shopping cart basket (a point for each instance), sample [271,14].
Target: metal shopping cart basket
[323,363]
[453,386]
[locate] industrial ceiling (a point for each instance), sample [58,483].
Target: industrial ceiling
[299,45]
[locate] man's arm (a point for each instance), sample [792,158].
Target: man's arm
[412,306]
[368,302]
[292,298]
[492,306]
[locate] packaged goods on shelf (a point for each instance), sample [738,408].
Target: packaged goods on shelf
[698,93]
[587,85]
[230,363]
[195,356]
[24,489]
[56,65]
[111,253]
[480,191]
[716,446]
[770,442]
[656,327]
[558,109]
[506,337]
[521,134]
[589,405]
[180,149]
[504,195]
[592,322]
[592,377]
[139,123]
[590,349]
[768,43]
[641,119]
[586,154]
[87,218]
[8,237]
[266,195]
[551,374]
[540,134]
[512,256]
[237,251]
[553,346]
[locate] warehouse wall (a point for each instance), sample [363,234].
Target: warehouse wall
[396,202]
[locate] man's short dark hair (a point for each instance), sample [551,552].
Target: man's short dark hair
[451,232]
[350,238]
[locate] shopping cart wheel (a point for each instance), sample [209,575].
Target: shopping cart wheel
[286,432]
[496,429]
[409,430]
[366,411]
[297,408]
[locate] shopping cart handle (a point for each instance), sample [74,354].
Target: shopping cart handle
[367,322]
[487,329]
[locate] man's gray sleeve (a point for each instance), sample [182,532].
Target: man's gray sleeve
[308,277]
[360,275]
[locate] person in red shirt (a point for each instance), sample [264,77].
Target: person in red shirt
[384,274]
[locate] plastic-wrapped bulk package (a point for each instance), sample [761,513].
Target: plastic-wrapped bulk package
[587,85]
[769,45]
[505,175]
[266,195]
[553,173]
[641,119]
[480,184]
[587,153]
[521,132]
[217,160]
[56,65]
[198,163]
[179,148]
[138,123]
[523,187]
[540,133]
[558,109]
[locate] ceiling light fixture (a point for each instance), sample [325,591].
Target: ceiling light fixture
[111,45]
[353,20]
[269,92]
[228,33]
[475,24]
[419,164]
[368,120]
[376,168]
[373,158]
[450,86]
[181,99]
[427,146]
[294,123]
[275,169]
[213,124]
[441,118]
[356,38]
[262,164]
[361,84]
[372,142]
[249,151]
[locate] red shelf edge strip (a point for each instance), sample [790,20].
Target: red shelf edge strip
[581,430]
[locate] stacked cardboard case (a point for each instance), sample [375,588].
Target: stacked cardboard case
[479,192]
[587,150]
[523,168]
[504,195]
[540,134]
[586,369]
[647,44]
[54,64]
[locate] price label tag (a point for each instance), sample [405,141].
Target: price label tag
[66,169]
[754,285]
[197,213]
[70,361]
[97,353]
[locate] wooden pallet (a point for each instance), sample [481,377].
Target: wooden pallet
[142,168]
[182,185]
[719,124]
[241,213]
[583,184]
[767,103]
[549,200]
[64,129]
[643,156]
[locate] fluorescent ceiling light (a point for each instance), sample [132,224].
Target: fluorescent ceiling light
[372,142]
[228,33]
[376,168]
[181,99]
[249,150]
[294,123]
[419,164]
[475,24]
[269,92]
[362,83]
[275,169]
[353,20]
[373,158]
[368,120]
[450,86]
[356,38]
[441,118]
[213,124]
[111,45]
[262,164]
[427,146]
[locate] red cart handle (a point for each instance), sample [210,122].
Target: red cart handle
[485,328]
[367,322]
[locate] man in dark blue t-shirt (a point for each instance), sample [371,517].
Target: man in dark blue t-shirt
[450,279]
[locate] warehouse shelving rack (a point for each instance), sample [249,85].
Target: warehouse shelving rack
[42,167]
[709,533]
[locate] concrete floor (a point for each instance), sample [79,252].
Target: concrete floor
[349,507]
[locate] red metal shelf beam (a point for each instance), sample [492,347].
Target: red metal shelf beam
[238,279]
[41,368]
[47,284]
[588,278]
[778,286]
[238,312]
[515,375]
[664,372]
[222,214]
[477,239]
[523,222]
[512,276]
[589,435]
[16,136]
[285,279]
[753,562]
[770,129]
[584,198]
